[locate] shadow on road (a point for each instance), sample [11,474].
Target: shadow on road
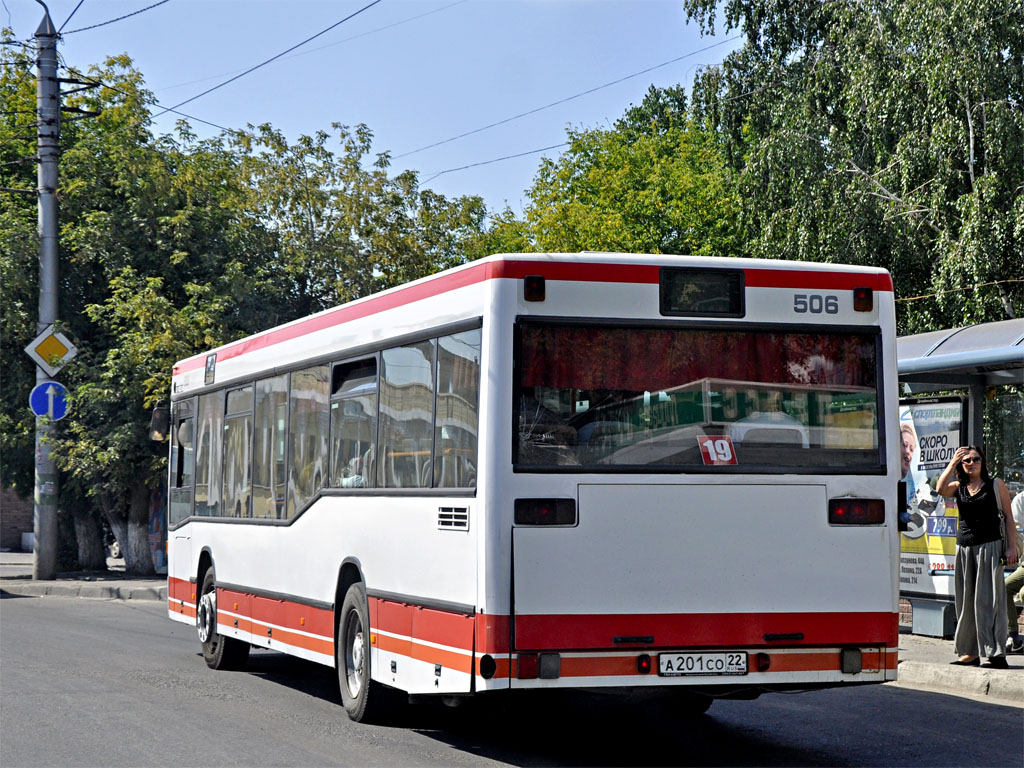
[562,727]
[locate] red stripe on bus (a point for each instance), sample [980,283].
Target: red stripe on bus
[181,589]
[552,270]
[835,281]
[574,631]
[493,633]
[422,624]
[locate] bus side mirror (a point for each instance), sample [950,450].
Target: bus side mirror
[160,423]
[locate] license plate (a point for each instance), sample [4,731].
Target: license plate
[678,664]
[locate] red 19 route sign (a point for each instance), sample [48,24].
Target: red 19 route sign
[716,449]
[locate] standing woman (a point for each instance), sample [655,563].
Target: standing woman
[981,622]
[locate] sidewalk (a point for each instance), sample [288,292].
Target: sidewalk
[924,661]
[16,579]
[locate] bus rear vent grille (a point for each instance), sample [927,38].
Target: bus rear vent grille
[453,518]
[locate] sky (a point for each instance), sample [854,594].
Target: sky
[416,72]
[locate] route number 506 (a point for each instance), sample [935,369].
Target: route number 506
[815,303]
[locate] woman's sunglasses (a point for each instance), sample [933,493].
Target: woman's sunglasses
[969,461]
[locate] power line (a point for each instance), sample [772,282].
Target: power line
[114,88]
[958,290]
[329,45]
[568,98]
[69,17]
[111,21]
[495,160]
[272,58]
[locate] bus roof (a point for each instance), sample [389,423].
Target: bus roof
[584,267]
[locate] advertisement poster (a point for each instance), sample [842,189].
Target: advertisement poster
[930,431]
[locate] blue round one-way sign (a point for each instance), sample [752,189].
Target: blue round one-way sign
[49,399]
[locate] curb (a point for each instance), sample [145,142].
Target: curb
[93,591]
[1007,685]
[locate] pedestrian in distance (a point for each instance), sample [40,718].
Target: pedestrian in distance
[980,594]
[1015,582]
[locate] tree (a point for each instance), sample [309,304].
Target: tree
[342,231]
[654,183]
[885,133]
[171,245]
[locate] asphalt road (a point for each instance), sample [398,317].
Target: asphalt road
[112,683]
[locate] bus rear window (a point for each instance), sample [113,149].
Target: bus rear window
[667,399]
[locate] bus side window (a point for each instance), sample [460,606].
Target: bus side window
[182,462]
[353,423]
[236,475]
[270,425]
[406,416]
[208,454]
[456,422]
[308,419]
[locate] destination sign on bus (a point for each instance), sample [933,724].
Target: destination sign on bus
[701,292]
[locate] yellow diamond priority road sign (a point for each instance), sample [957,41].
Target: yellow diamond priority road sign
[51,350]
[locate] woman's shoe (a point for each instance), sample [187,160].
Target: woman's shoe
[996,662]
[970,661]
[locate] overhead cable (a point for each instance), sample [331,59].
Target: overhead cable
[272,58]
[567,98]
[495,160]
[111,21]
[70,16]
[114,88]
[329,45]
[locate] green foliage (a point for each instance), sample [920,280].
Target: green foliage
[170,245]
[655,183]
[885,133]
[340,231]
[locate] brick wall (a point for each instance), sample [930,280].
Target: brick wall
[906,612]
[15,518]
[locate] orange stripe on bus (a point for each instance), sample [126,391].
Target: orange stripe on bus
[294,639]
[177,606]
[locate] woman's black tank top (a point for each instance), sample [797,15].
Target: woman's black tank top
[979,515]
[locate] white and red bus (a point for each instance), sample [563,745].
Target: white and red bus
[549,471]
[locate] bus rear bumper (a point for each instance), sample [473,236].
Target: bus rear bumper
[766,669]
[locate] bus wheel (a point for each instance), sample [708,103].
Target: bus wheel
[363,699]
[219,652]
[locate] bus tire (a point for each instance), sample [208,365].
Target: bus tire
[364,700]
[219,652]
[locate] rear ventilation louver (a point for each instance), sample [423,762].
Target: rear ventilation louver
[453,518]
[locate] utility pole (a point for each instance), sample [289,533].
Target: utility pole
[48,148]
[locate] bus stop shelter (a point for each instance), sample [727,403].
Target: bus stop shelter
[975,359]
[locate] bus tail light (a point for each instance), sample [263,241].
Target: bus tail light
[534,288]
[528,666]
[863,299]
[643,664]
[851,511]
[545,512]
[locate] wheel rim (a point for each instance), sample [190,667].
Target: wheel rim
[354,653]
[206,616]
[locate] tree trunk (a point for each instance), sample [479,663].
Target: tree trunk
[137,557]
[132,533]
[92,553]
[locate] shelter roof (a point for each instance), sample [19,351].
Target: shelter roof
[989,354]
